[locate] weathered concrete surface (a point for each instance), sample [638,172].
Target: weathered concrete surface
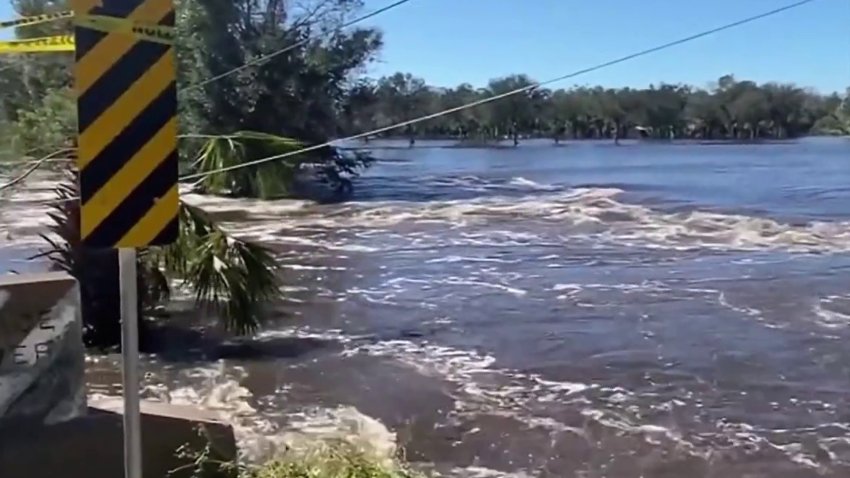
[91,446]
[42,358]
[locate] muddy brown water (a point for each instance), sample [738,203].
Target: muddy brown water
[587,310]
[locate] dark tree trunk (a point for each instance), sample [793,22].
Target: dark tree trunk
[100,294]
[97,273]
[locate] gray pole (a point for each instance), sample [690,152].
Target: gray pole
[130,362]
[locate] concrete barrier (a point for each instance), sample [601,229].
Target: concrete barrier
[46,427]
[91,446]
[42,358]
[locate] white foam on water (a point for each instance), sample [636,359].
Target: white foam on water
[593,213]
[259,209]
[527,183]
[800,449]
[652,433]
[426,284]
[453,259]
[456,281]
[481,387]
[832,312]
[262,434]
[482,472]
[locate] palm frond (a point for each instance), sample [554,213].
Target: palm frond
[232,277]
[272,179]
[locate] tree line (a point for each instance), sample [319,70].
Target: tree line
[730,109]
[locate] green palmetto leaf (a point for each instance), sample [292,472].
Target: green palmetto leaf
[271,179]
[232,277]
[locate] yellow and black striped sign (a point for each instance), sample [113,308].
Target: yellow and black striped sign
[127,115]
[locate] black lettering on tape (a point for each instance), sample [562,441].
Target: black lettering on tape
[152,32]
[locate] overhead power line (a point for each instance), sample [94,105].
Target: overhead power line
[506,94]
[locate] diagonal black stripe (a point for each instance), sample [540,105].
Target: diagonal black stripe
[168,19]
[117,80]
[135,205]
[119,151]
[86,39]
[121,8]
[168,234]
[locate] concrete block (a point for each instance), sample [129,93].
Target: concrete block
[91,446]
[42,358]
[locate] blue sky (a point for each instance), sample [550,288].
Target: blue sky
[448,42]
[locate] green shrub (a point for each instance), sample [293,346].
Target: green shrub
[319,460]
[331,461]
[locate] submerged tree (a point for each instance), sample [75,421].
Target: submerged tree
[298,90]
[226,165]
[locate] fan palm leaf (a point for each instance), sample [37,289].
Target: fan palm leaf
[232,277]
[268,180]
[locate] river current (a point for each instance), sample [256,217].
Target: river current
[587,310]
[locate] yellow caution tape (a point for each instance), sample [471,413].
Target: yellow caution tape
[35,20]
[38,45]
[145,31]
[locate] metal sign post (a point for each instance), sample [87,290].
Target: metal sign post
[130,363]
[127,156]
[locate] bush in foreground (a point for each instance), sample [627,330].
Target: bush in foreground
[319,460]
[331,462]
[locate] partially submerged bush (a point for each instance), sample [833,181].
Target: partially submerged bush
[331,461]
[222,158]
[321,460]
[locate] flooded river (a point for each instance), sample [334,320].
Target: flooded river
[584,310]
